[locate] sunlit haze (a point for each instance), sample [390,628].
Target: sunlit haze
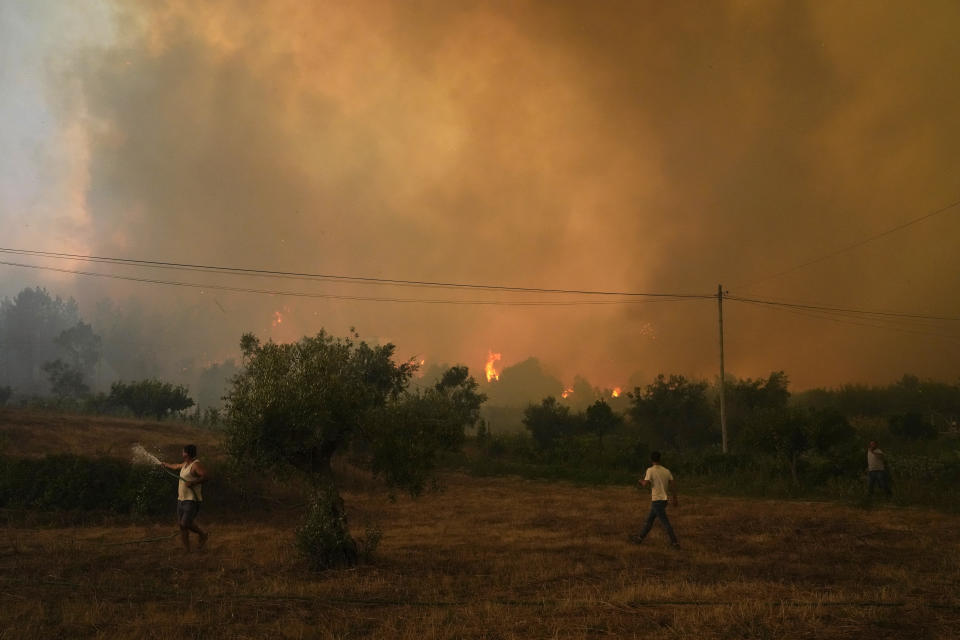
[618,147]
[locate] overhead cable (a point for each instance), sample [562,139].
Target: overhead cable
[338,277]
[854,245]
[330,296]
[866,312]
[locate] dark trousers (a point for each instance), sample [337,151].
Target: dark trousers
[658,509]
[878,479]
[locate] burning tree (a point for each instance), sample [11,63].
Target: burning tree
[295,406]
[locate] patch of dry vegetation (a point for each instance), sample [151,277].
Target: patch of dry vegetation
[500,558]
[503,558]
[26,433]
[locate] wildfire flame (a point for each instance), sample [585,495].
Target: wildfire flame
[616,392]
[567,392]
[491,371]
[277,318]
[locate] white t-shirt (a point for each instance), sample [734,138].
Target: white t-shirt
[875,460]
[659,477]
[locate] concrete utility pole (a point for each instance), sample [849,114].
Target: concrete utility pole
[723,382]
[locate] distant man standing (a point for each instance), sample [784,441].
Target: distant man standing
[877,468]
[189,495]
[661,484]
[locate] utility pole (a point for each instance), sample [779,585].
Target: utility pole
[723,403]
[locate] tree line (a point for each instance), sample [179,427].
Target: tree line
[51,356]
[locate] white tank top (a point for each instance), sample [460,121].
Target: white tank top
[187,475]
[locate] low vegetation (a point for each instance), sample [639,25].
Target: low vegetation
[307,544]
[500,558]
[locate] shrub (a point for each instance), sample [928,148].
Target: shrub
[150,398]
[69,482]
[324,538]
[912,426]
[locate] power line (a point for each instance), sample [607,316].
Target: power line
[336,277]
[855,245]
[867,312]
[330,296]
[841,319]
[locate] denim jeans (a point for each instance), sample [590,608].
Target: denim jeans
[658,509]
[878,479]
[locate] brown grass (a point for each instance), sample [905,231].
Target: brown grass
[502,558]
[37,433]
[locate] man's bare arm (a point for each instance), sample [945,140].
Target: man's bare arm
[201,474]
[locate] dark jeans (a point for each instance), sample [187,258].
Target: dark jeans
[879,479]
[187,511]
[658,509]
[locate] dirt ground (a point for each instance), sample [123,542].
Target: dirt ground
[484,558]
[501,558]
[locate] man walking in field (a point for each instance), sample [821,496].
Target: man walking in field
[661,484]
[877,468]
[189,495]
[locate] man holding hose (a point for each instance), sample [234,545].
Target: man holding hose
[189,495]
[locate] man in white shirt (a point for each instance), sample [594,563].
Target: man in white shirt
[661,483]
[877,468]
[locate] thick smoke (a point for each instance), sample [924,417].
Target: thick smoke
[617,146]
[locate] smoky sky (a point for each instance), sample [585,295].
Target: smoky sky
[624,146]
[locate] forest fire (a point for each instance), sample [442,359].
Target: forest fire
[567,392]
[616,392]
[277,318]
[491,371]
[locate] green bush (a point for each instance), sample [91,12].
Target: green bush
[324,538]
[149,398]
[912,426]
[69,482]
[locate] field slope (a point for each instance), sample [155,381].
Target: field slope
[499,558]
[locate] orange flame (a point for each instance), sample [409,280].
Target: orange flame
[616,392]
[491,371]
[277,318]
[567,392]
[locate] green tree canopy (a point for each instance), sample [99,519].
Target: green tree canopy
[150,397]
[600,419]
[81,345]
[675,410]
[65,380]
[746,397]
[549,422]
[29,323]
[789,432]
[293,407]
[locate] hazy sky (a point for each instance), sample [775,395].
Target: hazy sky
[625,146]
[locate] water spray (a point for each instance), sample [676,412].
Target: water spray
[142,456]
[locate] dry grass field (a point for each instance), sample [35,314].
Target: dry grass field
[499,558]
[37,433]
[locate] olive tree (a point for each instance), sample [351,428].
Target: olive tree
[294,407]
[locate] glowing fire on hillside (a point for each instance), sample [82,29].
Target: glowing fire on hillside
[492,373]
[277,318]
[567,392]
[616,392]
